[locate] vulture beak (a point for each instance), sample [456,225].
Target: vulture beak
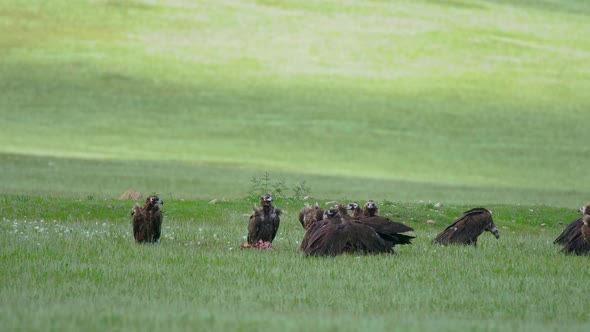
[496,234]
[581,209]
[159,201]
[268,198]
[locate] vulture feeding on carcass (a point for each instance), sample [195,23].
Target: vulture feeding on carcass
[339,233]
[309,215]
[468,227]
[578,239]
[147,220]
[264,224]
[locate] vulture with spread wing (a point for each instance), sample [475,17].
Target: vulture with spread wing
[468,227]
[147,220]
[339,233]
[335,234]
[309,215]
[264,224]
[577,240]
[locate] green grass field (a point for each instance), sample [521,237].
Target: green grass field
[71,264]
[410,103]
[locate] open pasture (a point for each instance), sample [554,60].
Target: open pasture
[410,103]
[82,269]
[480,101]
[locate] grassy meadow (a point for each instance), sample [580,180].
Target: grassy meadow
[72,263]
[410,103]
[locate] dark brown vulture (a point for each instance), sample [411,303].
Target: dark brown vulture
[335,235]
[309,215]
[389,230]
[570,230]
[357,213]
[340,233]
[264,224]
[371,209]
[468,227]
[578,240]
[147,220]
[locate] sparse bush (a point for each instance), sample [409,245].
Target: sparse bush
[279,189]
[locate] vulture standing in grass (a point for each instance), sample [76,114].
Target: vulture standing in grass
[147,220]
[264,224]
[578,239]
[468,227]
[309,215]
[339,233]
[571,229]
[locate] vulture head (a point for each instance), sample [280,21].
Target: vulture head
[330,213]
[491,226]
[494,230]
[353,206]
[585,209]
[152,200]
[266,200]
[371,208]
[357,213]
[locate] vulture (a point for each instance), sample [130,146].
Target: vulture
[147,220]
[309,215]
[339,233]
[264,224]
[468,227]
[371,208]
[578,238]
[335,234]
[567,233]
[379,223]
[357,213]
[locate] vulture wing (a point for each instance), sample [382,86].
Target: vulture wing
[156,222]
[363,238]
[254,226]
[323,238]
[309,215]
[275,220]
[334,236]
[569,232]
[138,224]
[577,244]
[310,233]
[386,226]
